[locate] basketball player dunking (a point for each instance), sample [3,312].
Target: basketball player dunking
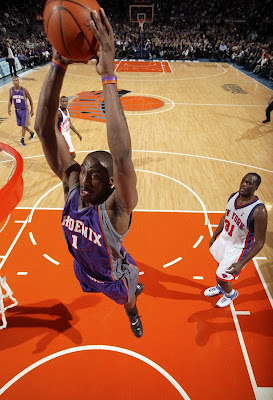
[102,191]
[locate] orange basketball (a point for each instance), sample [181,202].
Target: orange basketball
[67,26]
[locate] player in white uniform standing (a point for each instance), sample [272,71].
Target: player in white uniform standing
[64,125]
[242,232]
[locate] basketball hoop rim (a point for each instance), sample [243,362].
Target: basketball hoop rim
[11,193]
[19,163]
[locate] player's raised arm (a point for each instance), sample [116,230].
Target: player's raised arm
[119,141]
[54,146]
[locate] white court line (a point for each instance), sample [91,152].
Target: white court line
[213,226]
[153,112]
[220,105]
[22,273]
[198,277]
[198,241]
[250,77]
[242,312]
[51,259]
[117,66]
[241,339]
[175,154]
[40,199]
[98,347]
[244,351]
[2,256]
[170,66]
[32,239]
[172,262]
[162,67]
[136,209]
[203,157]
[13,243]
[182,184]
[141,273]
[262,279]
[19,222]
[260,258]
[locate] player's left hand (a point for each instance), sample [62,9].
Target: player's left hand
[103,32]
[235,268]
[31,113]
[80,137]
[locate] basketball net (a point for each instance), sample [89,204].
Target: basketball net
[141,23]
[8,293]
[10,195]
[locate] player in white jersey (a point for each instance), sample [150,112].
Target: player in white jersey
[242,232]
[64,125]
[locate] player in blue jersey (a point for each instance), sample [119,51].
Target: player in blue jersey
[241,235]
[101,193]
[19,96]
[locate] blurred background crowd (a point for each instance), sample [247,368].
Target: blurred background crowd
[237,31]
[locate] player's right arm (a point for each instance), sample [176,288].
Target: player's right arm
[10,102]
[217,231]
[54,146]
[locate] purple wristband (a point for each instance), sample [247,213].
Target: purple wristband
[109,78]
[57,66]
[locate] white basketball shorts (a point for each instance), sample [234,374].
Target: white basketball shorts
[69,142]
[225,255]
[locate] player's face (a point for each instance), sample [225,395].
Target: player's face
[248,185]
[15,82]
[64,103]
[94,182]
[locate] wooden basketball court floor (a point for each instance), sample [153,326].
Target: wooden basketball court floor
[196,131]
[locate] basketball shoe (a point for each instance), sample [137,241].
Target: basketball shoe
[227,299]
[213,291]
[135,321]
[22,142]
[139,289]
[32,134]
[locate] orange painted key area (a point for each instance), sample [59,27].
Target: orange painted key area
[64,343]
[142,66]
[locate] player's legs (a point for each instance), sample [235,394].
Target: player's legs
[225,255]
[132,312]
[22,141]
[267,112]
[120,291]
[10,66]
[226,286]
[32,134]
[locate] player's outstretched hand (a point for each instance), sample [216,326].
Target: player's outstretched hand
[66,61]
[103,32]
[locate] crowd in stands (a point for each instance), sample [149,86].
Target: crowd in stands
[238,31]
[21,25]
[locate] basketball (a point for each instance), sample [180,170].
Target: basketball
[67,26]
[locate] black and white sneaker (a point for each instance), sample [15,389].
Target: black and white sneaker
[139,289]
[136,324]
[22,142]
[32,134]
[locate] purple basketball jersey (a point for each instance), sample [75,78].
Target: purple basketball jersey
[101,262]
[19,98]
